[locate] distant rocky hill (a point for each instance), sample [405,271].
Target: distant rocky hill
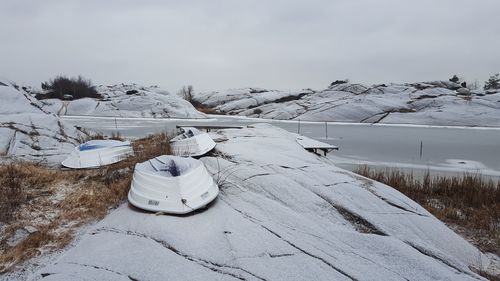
[30,132]
[126,101]
[429,103]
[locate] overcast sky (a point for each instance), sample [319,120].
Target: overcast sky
[215,45]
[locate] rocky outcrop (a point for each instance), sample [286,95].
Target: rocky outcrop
[282,214]
[30,132]
[427,103]
[126,101]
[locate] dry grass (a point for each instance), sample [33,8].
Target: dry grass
[469,204]
[57,202]
[88,135]
[14,177]
[117,136]
[207,110]
[11,193]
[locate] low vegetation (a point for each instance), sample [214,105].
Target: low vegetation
[90,135]
[65,88]
[205,109]
[187,93]
[338,82]
[53,203]
[469,204]
[493,82]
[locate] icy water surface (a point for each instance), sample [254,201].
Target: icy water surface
[444,149]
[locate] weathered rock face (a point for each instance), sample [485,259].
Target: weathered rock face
[463,91]
[29,132]
[430,103]
[282,214]
[126,101]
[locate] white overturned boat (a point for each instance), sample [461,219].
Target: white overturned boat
[96,153]
[192,142]
[172,184]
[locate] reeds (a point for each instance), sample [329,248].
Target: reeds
[468,203]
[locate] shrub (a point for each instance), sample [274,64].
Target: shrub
[257,111]
[132,92]
[68,89]
[454,79]
[338,82]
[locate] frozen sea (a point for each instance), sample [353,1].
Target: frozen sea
[440,149]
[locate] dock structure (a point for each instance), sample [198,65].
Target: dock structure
[208,128]
[315,146]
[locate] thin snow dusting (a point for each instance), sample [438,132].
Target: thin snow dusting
[431,103]
[282,214]
[126,100]
[29,132]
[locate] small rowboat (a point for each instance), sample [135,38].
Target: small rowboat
[172,184]
[192,142]
[97,153]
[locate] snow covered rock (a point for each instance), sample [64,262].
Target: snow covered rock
[29,132]
[282,214]
[126,101]
[428,103]
[463,91]
[20,234]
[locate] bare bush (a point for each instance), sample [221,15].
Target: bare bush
[187,93]
[65,88]
[338,82]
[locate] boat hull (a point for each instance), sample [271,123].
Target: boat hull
[194,146]
[98,157]
[174,195]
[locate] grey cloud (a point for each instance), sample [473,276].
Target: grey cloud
[224,44]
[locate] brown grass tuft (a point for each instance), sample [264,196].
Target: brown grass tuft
[11,192]
[85,195]
[207,110]
[469,204]
[15,180]
[88,136]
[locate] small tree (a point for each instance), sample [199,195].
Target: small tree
[454,79]
[493,83]
[187,93]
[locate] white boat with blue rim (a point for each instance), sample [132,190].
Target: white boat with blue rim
[97,153]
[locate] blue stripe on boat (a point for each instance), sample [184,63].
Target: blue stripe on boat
[85,147]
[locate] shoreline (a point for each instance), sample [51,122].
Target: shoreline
[216,117]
